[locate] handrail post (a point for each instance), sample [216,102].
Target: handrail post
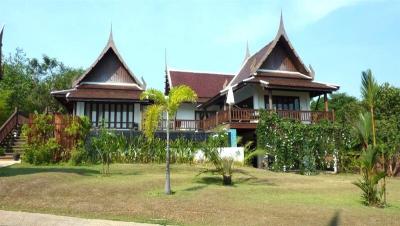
[216,118]
[230,113]
[333,115]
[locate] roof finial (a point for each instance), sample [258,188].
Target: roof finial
[111,34]
[165,60]
[247,50]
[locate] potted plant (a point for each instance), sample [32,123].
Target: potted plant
[16,155]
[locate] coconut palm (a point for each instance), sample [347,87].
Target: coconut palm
[167,105]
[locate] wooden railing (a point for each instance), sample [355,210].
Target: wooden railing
[242,116]
[181,125]
[12,122]
[253,115]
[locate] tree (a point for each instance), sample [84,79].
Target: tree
[369,91]
[167,105]
[346,107]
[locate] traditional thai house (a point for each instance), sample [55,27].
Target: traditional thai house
[108,92]
[274,78]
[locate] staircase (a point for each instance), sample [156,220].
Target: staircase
[10,135]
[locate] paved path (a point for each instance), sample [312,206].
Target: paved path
[4,163]
[11,218]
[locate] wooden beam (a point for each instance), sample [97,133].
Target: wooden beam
[270,99]
[326,101]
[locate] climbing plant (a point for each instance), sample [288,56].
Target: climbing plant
[295,145]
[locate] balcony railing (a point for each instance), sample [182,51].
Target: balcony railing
[243,116]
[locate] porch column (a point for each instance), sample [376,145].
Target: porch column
[233,138]
[326,101]
[270,99]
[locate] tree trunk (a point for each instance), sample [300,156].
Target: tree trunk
[373,126]
[167,171]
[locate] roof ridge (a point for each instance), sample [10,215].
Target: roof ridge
[200,72]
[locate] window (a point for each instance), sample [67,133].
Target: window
[290,103]
[118,115]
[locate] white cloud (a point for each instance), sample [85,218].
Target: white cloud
[264,20]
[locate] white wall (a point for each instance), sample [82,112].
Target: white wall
[237,153]
[186,112]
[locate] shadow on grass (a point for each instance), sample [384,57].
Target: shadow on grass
[214,178]
[335,219]
[15,171]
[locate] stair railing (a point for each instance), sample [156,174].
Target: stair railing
[11,123]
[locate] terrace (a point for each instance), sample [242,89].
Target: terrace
[242,118]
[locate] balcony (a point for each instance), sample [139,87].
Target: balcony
[243,118]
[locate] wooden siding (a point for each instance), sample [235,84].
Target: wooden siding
[109,70]
[279,59]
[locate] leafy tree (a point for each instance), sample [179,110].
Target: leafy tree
[347,108]
[27,83]
[167,105]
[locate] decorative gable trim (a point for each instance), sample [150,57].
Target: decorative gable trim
[110,45]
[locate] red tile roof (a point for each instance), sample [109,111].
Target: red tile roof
[206,85]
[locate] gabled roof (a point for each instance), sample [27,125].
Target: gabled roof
[253,63]
[205,84]
[110,47]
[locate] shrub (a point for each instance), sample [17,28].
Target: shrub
[371,194]
[78,155]
[2,151]
[41,154]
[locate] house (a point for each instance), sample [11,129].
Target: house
[274,78]
[108,92]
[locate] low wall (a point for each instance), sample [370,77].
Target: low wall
[237,153]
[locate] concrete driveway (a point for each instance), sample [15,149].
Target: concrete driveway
[11,218]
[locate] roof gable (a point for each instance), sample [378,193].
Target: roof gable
[109,67]
[279,54]
[282,58]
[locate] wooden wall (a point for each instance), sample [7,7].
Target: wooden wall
[109,70]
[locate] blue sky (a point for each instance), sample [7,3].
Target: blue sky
[339,38]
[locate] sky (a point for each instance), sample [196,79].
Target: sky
[339,38]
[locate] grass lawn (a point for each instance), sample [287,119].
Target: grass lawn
[135,193]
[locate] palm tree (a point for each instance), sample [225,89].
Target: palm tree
[167,105]
[362,129]
[369,91]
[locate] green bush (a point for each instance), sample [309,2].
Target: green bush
[78,155]
[296,145]
[41,153]
[2,151]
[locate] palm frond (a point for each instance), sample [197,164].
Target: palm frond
[369,87]
[155,95]
[152,117]
[179,95]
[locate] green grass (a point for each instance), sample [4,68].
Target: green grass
[135,193]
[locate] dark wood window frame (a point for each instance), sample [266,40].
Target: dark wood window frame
[127,122]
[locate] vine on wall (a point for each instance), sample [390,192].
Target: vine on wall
[293,145]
